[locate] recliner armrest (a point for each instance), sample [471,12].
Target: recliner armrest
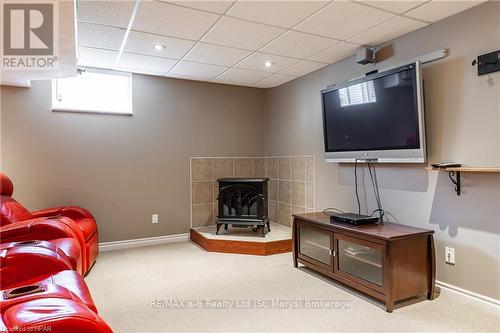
[73,212]
[48,212]
[16,229]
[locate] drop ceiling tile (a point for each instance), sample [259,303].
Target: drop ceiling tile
[273,81]
[256,62]
[343,19]
[217,55]
[397,7]
[198,70]
[241,34]
[115,13]
[145,64]
[94,35]
[336,53]
[302,68]
[96,57]
[387,31]
[140,42]
[240,76]
[280,13]
[437,10]
[210,6]
[184,77]
[298,44]
[175,21]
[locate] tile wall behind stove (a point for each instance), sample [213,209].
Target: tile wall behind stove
[290,191]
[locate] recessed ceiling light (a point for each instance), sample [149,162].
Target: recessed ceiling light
[268,63]
[158,47]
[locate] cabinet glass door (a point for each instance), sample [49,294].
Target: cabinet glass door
[315,244]
[359,259]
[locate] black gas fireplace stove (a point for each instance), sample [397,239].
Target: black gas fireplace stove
[243,202]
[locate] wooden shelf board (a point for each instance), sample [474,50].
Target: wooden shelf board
[468,169]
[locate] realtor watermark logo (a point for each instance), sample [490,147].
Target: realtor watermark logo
[245,304]
[29,38]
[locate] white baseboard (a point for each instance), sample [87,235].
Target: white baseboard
[138,242]
[469,294]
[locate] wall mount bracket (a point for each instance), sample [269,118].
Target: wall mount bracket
[455,179]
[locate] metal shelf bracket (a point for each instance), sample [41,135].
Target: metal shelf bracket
[455,179]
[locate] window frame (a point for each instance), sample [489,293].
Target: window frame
[54,108]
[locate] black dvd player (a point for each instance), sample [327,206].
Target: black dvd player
[352,218]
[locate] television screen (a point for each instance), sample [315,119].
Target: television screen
[376,113]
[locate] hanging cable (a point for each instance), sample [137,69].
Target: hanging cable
[376,191]
[334,209]
[356,184]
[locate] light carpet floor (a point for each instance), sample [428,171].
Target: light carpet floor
[132,288]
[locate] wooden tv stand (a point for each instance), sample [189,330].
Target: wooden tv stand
[390,262]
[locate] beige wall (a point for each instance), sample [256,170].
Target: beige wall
[463,121]
[123,169]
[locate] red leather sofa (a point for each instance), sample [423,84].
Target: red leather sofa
[43,256]
[60,303]
[19,224]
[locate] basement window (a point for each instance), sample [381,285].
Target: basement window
[93,92]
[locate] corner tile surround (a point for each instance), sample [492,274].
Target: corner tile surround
[290,187]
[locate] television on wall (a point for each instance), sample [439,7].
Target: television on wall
[377,118]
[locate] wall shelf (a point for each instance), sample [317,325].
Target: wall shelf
[468,169]
[454,173]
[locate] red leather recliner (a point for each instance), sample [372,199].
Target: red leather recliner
[76,218]
[56,231]
[26,262]
[60,303]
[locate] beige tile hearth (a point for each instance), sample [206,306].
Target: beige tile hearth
[278,232]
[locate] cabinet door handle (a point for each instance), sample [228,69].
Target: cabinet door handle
[332,253]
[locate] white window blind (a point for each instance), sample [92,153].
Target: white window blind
[93,92]
[357,94]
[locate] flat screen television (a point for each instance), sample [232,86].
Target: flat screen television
[378,118]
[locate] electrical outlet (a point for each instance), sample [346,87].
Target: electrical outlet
[449,255]
[154,218]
